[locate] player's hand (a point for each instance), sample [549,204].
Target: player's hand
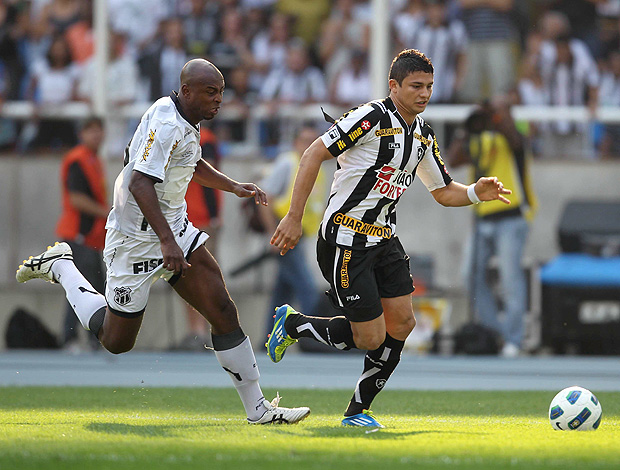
[251,190]
[489,188]
[287,234]
[174,259]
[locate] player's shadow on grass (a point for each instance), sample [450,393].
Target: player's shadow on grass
[374,433]
[148,430]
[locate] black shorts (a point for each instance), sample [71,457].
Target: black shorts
[359,279]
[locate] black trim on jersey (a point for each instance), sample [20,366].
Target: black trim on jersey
[173,280]
[154,178]
[174,96]
[118,313]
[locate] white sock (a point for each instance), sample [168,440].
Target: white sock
[83,297]
[240,364]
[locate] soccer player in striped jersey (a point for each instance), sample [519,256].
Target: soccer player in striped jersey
[150,237]
[380,147]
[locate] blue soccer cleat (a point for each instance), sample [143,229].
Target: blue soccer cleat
[365,418]
[279,339]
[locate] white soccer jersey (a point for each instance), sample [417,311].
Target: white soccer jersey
[378,158]
[165,147]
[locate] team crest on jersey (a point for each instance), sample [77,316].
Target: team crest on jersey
[122,295]
[365,125]
[392,182]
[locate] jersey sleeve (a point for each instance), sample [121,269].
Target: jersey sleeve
[351,129]
[154,153]
[432,169]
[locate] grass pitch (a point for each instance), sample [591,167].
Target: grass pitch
[169,428]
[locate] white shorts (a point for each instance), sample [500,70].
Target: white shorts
[134,265]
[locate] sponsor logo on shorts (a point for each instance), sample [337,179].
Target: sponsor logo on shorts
[344,269]
[362,227]
[122,295]
[388,131]
[392,182]
[351,298]
[146,266]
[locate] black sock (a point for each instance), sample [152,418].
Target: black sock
[378,366]
[335,331]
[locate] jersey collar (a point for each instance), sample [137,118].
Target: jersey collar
[389,104]
[174,96]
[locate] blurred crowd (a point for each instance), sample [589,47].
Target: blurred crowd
[537,52]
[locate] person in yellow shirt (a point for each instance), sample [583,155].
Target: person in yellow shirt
[294,280]
[492,144]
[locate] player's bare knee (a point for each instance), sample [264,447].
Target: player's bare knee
[369,342]
[117,347]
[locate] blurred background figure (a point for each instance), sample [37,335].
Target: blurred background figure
[204,207]
[491,144]
[492,49]
[53,81]
[122,89]
[351,85]
[81,224]
[445,42]
[294,282]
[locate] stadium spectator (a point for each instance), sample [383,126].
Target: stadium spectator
[161,62]
[571,78]
[491,144]
[80,35]
[149,237]
[231,49]
[347,28]
[357,250]
[269,48]
[308,17]
[85,209]
[56,16]
[445,43]
[299,81]
[492,49]
[294,280]
[609,95]
[121,89]
[53,82]
[407,20]
[351,85]
[142,33]
[200,26]
[10,61]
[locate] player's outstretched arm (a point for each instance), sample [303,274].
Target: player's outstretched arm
[289,229]
[206,175]
[142,188]
[487,188]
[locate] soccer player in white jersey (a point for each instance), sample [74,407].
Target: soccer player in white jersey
[149,237]
[380,147]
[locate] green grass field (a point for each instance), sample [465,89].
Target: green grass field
[168,428]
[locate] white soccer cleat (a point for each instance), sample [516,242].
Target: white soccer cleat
[40,267]
[279,415]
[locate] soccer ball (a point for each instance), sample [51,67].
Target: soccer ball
[575,408]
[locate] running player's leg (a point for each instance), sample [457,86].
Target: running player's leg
[204,289]
[395,287]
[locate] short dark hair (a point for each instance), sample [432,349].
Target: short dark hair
[409,61]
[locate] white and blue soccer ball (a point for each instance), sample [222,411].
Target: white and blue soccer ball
[575,409]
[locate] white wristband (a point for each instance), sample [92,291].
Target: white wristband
[471,194]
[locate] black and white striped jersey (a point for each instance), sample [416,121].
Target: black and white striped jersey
[378,158]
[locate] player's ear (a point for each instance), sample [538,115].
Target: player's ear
[392,84]
[185,91]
